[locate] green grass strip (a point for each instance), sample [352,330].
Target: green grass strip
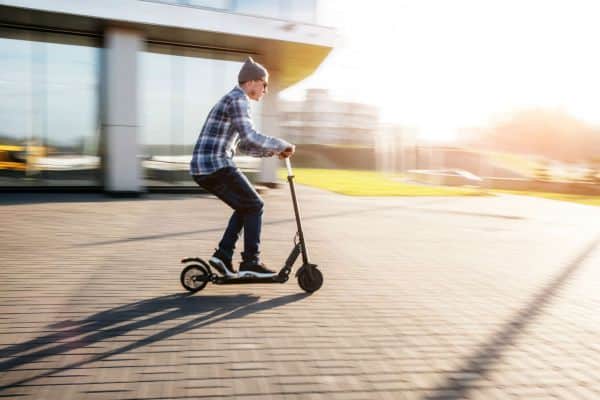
[369,183]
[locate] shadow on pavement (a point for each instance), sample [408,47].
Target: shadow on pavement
[291,220]
[120,321]
[460,381]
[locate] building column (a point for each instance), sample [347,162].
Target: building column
[270,127]
[120,124]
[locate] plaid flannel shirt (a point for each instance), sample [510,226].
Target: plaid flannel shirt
[227,127]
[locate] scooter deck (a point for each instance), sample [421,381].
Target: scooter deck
[231,281]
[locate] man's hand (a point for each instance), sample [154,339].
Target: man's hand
[287,152]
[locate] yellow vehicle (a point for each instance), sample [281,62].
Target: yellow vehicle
[20,157]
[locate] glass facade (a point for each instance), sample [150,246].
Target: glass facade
[49,113]
[292,10]
[178,87]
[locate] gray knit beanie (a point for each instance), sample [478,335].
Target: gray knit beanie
[252,71]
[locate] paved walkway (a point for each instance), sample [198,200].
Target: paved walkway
[424,298]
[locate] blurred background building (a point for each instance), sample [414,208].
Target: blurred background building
[319,119]
[113,93]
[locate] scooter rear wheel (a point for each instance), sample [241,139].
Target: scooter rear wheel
[310,281]
[194,277]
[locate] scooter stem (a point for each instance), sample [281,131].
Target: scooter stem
[290,178]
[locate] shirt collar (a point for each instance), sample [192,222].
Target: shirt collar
[238,87]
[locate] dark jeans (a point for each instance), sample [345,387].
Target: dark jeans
[232,186]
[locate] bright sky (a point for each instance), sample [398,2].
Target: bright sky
[442,65]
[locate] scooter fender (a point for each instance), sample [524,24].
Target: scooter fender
[309,269]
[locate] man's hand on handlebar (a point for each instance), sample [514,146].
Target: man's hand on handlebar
[287,152]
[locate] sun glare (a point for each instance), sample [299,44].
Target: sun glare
[442,66]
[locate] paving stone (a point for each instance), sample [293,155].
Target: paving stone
[423,298]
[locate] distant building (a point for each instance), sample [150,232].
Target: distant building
[321,120]
[395,147]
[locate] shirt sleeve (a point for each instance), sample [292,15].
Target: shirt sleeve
[250,139]
[248,148]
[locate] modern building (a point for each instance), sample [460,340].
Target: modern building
[319,119]
[113,93]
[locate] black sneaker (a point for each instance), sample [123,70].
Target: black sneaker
[255,268]
[222,264]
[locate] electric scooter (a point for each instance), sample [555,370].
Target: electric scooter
[196,275]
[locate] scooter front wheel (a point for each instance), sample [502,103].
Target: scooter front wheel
[310,279]
[194,277]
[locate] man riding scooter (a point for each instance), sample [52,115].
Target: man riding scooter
[229,125]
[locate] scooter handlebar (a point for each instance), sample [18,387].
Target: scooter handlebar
[288,165]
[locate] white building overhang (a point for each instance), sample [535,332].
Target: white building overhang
[292,50]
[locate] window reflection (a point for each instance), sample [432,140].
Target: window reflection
[48,109]
[221,4]
[266,8]
[178,88]
[300,10]
[294,10]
